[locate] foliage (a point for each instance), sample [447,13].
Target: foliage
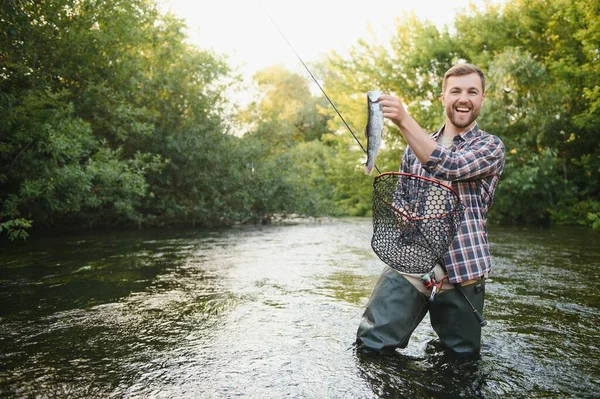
[285,112]
[108,117]
[16,228]
[541,63]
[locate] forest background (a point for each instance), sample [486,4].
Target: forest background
[110,118]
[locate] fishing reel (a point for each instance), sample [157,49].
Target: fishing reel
[431,284]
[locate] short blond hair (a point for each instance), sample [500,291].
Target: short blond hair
[462,70]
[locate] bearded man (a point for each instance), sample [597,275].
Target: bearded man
[462,156]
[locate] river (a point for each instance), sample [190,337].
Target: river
[272,311]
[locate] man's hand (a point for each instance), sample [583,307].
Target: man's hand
[393,109]
[419,141]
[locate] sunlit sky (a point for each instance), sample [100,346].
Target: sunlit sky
[242,28]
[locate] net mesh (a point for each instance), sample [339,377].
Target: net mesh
[414,221]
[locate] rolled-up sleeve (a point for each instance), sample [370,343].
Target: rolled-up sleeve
[480,158]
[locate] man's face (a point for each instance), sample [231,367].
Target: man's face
[462,99]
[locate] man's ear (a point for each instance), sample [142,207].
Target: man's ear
[442,98]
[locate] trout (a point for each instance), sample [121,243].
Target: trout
[374,129]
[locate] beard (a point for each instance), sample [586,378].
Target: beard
[462,121]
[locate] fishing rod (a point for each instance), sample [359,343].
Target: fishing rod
[458,286]
[315,80]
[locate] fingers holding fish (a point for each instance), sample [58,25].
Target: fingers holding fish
[392,108]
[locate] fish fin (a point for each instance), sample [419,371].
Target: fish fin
[368,170]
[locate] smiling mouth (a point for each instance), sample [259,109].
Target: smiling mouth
[462,110]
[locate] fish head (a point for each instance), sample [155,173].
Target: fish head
[373,95]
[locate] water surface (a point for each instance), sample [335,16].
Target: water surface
[272,312]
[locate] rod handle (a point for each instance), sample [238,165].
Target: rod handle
[482,322]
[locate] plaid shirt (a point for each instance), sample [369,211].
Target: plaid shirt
[473,166]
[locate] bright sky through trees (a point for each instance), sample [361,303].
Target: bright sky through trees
[242,30]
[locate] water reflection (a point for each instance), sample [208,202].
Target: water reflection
[349,287]
[435,374]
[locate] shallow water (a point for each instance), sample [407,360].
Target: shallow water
[272,312]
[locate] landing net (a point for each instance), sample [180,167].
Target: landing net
[414,221]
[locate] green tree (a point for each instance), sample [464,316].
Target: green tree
[107,117]
[285,111]
[541,59]
[290,160]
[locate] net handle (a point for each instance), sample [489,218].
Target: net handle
[434,181]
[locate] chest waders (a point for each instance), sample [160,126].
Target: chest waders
[415,220]
[396,308]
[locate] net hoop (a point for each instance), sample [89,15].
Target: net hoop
[415,219]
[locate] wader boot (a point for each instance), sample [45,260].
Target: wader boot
[394,310]
[453,320]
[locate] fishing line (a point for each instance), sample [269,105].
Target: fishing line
[458,286]
[316,81]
